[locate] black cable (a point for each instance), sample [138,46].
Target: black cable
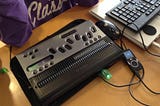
[121,39]
[122,44]
[144,44]
[157,55]
[131,83]
[123,85]
[137,74]
[10,53]
[130,92]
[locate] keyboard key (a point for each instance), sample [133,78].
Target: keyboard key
[123,17]
[147,0]
[147,13]
[152,2]
[128,16]
[131,10]
[115,13]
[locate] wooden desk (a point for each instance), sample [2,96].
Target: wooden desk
[97,92]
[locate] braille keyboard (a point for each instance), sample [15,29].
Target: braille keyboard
[50,70]
[135,13]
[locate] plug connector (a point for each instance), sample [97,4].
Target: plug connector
[106,74]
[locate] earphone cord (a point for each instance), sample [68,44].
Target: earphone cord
[131,93]
[138,75]
[10,53]
[129,89]
[123,85]
[121,39]
[122,43]
[129,86]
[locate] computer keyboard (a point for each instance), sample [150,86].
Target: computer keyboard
[135,13]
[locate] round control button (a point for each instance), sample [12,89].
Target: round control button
[134,63]
[93,29]
[46,66]
[40,68]
[150,30]
[35,72]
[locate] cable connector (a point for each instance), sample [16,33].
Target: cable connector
[106,74]
[3,70]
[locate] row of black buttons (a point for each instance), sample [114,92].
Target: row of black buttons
[93,40]
[68,46]
[31,53]
[77,37]
[41,68]
[130,13]
[126,14]
[156,5]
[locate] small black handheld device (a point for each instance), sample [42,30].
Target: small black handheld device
[132,61]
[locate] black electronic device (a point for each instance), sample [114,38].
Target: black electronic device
[54,67]
[135,13]
[132,61]
[109,29]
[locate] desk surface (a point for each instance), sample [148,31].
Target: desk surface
[97,92]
